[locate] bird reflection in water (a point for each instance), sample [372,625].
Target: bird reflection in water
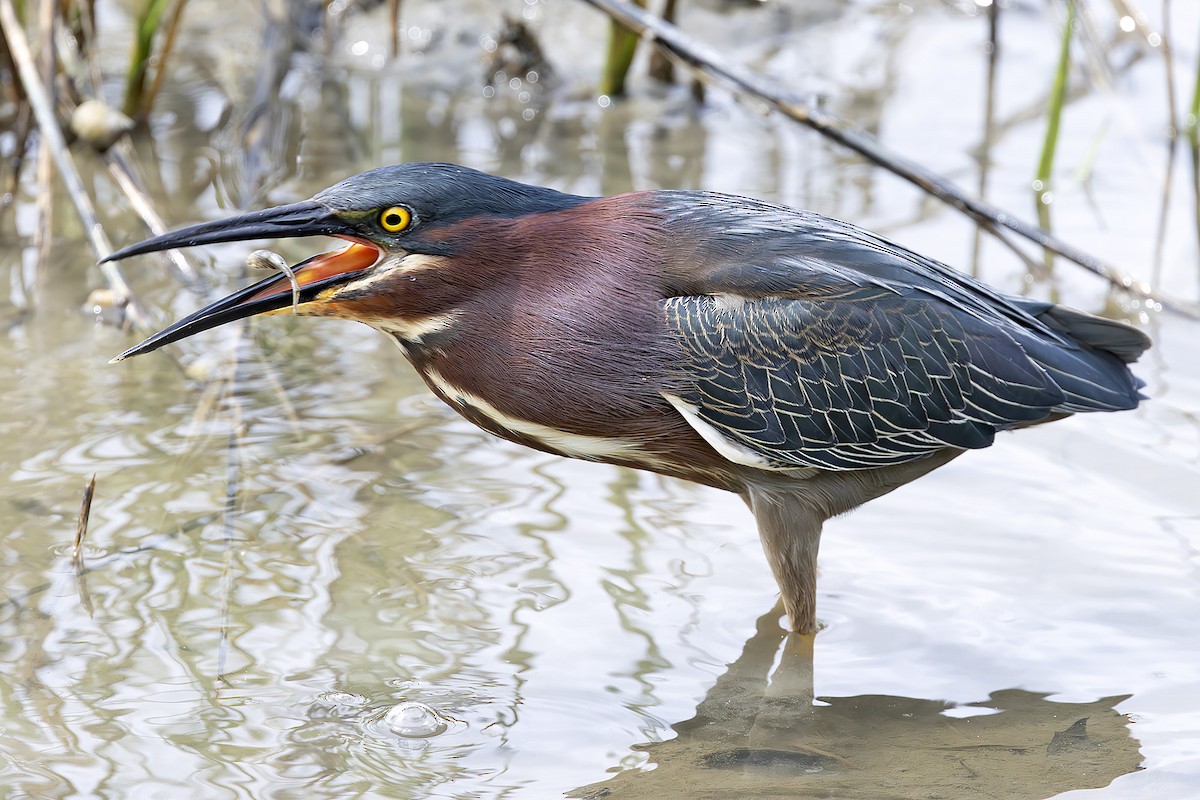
[759,733]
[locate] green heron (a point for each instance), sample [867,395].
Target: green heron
[803,363]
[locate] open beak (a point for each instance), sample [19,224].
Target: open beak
[314,275]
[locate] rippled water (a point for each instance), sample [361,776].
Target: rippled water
[291,539]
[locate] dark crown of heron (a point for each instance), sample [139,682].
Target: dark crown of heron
[393,206]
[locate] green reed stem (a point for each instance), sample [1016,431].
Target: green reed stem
[622,44]
[1193,120]
[1058,94]
[139,61]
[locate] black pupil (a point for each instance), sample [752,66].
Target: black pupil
[393,219]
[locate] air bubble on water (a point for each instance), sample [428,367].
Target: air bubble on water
[342,699]
[413,720]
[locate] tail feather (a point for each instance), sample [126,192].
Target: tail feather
[1123,341]
[1094,375]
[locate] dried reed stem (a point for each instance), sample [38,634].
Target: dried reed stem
[85,512]
[160,68]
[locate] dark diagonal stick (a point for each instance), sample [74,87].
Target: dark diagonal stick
[705,63]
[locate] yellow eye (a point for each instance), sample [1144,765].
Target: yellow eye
[395,219]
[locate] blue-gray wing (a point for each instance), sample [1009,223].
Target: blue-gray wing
[864,376]
[808,342]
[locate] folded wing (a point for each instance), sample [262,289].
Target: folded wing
[844,351]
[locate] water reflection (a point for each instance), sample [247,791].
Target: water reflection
[759,733]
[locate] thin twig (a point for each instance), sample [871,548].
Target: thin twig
[12,182]
[1094,49]
[1195,148]
[160,68]
[1168,64]
[45,167]
[1130,9]
[394,13]
[707,64]
[47,57]
[43,111]
[1005,238]
[44,205]
[1160,239]
[123,173]
[85,511]
[1164,211]
[146,545]
[1193,121]
[86,44]
[989,117]
[87,16]
[662,68]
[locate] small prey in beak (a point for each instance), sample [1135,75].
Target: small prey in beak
[305,282]
[268,259]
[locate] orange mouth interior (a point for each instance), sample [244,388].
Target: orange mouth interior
[327,265]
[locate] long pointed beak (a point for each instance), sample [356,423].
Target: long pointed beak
[306,218]
[314,275]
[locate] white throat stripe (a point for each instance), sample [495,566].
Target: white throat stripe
[592,448]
